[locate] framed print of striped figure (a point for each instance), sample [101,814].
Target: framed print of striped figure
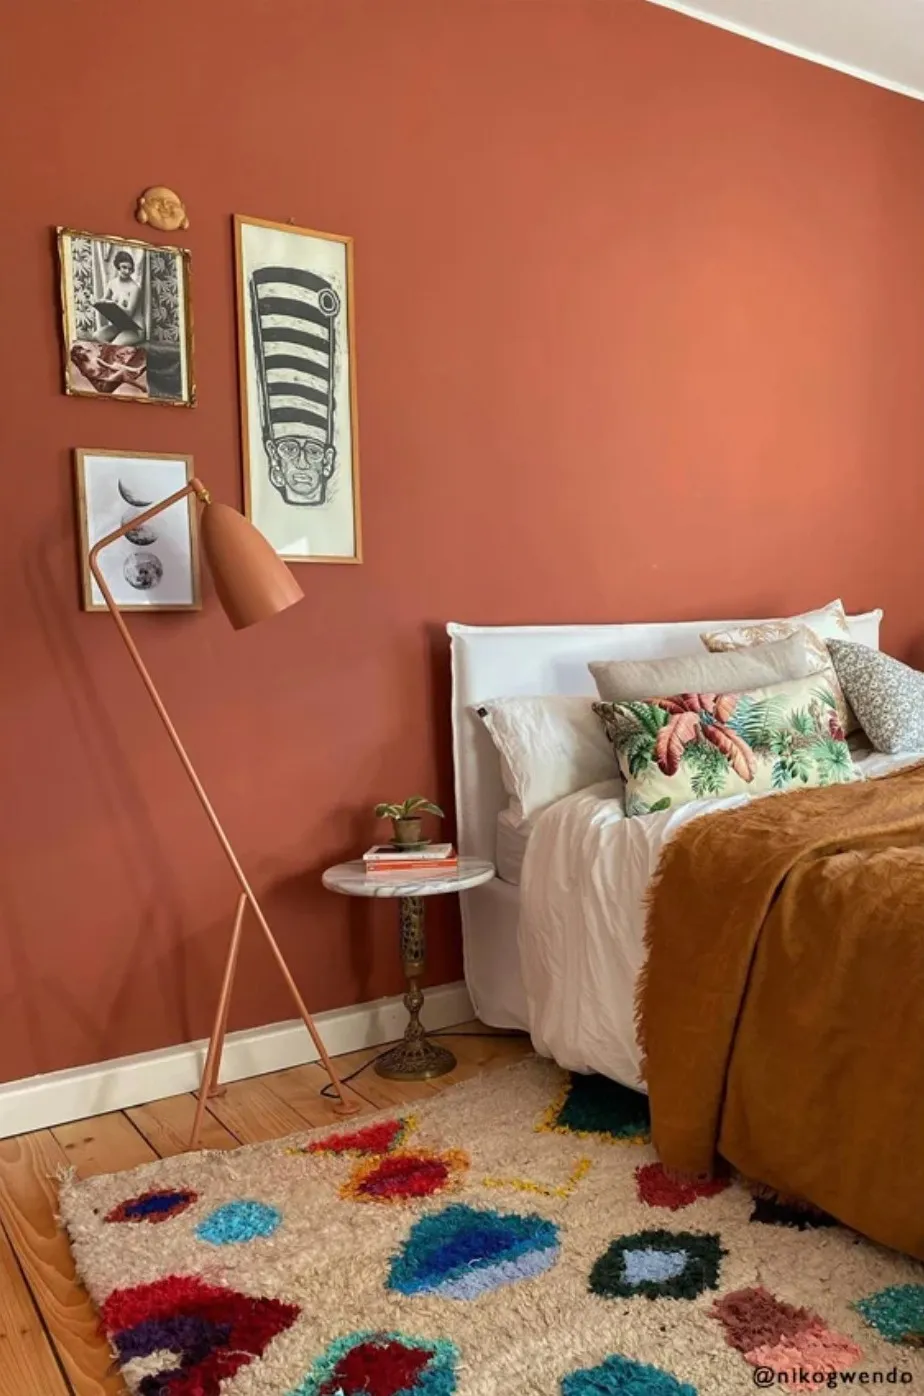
[296,363]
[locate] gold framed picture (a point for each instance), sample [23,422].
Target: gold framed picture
[297,371]
[127,319]
[154,567]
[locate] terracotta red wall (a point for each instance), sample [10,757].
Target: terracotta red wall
[640,316]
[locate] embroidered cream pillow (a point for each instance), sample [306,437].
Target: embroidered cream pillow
[828,623]
[700,746]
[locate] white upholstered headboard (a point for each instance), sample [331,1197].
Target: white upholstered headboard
[505,661]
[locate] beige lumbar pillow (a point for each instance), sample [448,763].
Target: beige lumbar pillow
[827,623]
[737,671]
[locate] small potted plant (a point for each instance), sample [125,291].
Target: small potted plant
[406,818]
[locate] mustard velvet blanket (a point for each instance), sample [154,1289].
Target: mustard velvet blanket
[781,1010]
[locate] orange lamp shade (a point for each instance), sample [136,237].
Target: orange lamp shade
[252,582]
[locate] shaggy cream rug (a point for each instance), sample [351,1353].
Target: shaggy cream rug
[513,1235]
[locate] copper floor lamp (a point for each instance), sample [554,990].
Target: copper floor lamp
[252,584]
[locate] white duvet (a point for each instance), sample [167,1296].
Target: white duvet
[585,874]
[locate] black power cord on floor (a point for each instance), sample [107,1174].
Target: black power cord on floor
[330,1094]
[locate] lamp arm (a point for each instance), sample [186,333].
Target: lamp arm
[193,487]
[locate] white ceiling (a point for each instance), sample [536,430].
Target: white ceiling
[881,41]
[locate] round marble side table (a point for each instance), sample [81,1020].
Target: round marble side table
[415,1058]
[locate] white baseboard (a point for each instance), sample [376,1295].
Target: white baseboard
[60,1096]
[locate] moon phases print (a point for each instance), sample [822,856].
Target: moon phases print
[143,571]
[153,565]
[131,497]
[144,536]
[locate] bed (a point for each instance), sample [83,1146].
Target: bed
[763,989]
[543,950]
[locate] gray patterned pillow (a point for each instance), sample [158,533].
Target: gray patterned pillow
[886,695]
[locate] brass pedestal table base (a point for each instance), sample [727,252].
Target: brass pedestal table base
[416,1057]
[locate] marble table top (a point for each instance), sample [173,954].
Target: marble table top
[353,880]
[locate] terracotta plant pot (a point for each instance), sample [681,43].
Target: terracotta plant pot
[407,830]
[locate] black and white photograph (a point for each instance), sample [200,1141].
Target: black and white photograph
[127,323]
[298,390]
[154,567]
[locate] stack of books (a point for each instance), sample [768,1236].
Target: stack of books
[435,859]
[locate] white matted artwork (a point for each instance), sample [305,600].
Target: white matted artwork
[298,389]
[154,567]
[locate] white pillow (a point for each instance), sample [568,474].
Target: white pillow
[864,629]
[548,747]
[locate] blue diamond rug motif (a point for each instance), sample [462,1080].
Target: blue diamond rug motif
[897,1313]
[462,1252]
[237,1222]
[658,1265]
[650,1264]
[620,1376]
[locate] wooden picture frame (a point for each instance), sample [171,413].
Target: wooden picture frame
[297,382]
[159,570]
[126,320]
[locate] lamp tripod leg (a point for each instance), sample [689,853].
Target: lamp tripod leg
[224,1001]
[207,1085]
[344,1105]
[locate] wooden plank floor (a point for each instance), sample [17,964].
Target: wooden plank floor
[49,1339]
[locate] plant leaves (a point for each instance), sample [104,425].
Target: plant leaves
[680,730]
[802,722]
[782,774]
[408,809]
[832,761]
[708,769]
[671,705]
[688,703]
[725,705]
[756,720]
[734,748]
[825,697]
[650,716]
[638,752]
[700,702]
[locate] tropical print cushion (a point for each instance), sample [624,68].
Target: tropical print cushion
[700,746]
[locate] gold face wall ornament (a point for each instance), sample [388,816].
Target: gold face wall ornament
[162,208]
